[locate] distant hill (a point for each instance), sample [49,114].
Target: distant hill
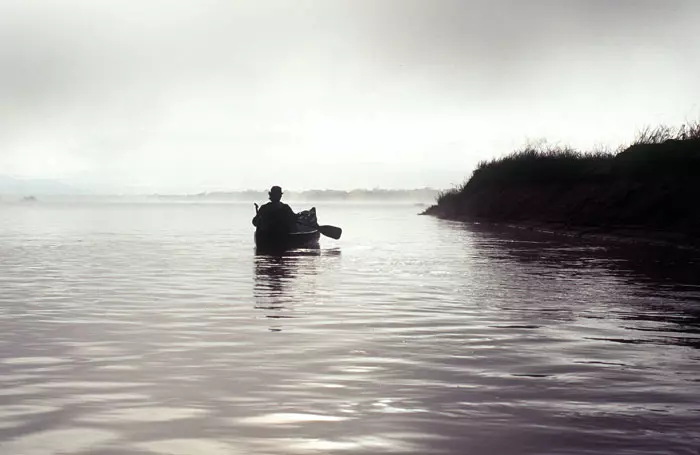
[34,187]
[40,188]
[412,195]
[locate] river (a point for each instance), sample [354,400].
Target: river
[154,328]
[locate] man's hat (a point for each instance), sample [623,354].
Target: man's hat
[276,190]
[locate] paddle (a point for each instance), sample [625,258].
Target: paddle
[333,232]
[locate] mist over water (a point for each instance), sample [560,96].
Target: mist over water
[156,329]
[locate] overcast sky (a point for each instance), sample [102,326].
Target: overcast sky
[186,96]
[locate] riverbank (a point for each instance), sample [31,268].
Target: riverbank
[649,190]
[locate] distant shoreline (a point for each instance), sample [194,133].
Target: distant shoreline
[423,196]
[407,195]
[646,192]
[419,195]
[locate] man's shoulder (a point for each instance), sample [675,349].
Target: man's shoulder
[275,206]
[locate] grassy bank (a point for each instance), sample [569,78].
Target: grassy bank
[653,184]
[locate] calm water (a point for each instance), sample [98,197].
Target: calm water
[155,329]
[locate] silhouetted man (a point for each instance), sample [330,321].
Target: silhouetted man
[275,217]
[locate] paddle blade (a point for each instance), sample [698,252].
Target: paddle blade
[333,232]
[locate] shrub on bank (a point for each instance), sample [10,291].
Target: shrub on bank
[655,181]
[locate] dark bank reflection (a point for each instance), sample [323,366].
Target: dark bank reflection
[640,264]
[661,283]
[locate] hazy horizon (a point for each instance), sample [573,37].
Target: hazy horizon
[12,187]
[185,97]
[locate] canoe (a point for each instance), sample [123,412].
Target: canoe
[305,239]
[306,235]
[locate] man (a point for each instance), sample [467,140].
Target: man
[275,217]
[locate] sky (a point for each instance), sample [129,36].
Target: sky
[176,96]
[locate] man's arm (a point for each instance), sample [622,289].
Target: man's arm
[258,212]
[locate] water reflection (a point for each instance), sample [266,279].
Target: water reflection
[276,281]
[638,264]
[652,290]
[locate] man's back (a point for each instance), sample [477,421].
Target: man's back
[275,217]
